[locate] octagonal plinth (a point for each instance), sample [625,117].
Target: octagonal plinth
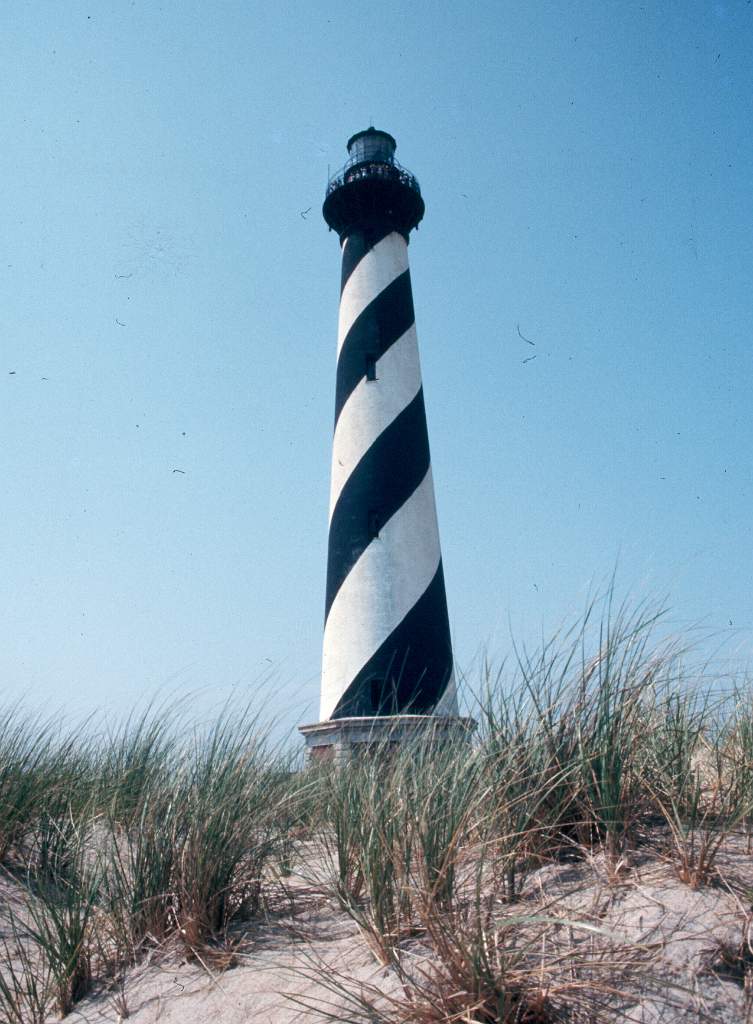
[341,739]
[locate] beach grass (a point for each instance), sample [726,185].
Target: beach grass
[165,833]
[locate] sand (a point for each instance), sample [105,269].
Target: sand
[278,964]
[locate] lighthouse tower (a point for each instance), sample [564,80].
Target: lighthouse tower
[387,659]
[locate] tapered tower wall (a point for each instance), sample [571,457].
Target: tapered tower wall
[387,646]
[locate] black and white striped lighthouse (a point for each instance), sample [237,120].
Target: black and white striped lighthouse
[387,649]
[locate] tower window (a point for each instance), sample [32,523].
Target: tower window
[371,367]
[376,695]
[374,523]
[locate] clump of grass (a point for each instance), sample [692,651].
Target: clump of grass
[371,846]
[48,845]
[153,833]
[396,818]
[502,969]
[25,980]
[25,745]
[40,769]
[611,699]
[445,796]
[297,810]
[486,966]
[344,795]
[227,830]
[141,771]
[138,876]
[191,857]
[138,756]
[61,913]
[572,719]
[697,777]
[528,794]
[52,843]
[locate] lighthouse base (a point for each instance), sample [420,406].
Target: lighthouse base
[342,739]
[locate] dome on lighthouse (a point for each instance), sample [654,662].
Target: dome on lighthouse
[372,145]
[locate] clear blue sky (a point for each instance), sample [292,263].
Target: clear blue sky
[587,174]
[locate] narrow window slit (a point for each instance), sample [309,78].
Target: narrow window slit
[371,367]
[374,524]
[376,695]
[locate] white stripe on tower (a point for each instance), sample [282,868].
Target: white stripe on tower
[378,268]
[408,556]
[386,640]
[369,409]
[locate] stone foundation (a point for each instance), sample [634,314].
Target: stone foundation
[340,739]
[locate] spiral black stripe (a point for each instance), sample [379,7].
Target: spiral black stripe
[381,483]
[356,247]
[387,647]
[378,327]
[409,672]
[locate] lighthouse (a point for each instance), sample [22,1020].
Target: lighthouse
[387,661]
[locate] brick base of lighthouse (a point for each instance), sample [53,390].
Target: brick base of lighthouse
[342,739]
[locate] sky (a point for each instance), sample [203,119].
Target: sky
[168,316]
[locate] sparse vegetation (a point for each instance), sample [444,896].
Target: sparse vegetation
[601,747]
